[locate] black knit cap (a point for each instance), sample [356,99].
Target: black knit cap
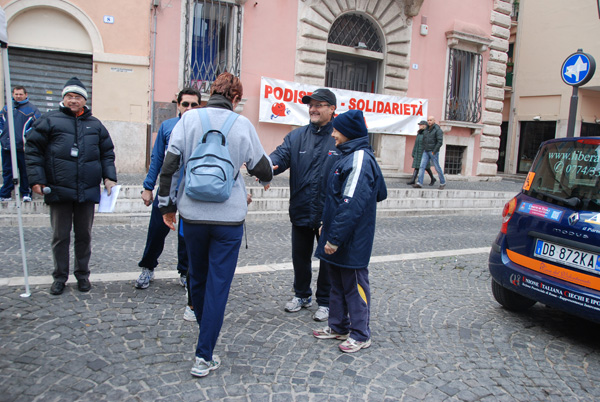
[75,86]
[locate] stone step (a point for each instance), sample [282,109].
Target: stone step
[274,204]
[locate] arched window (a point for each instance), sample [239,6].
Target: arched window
[355,31]
[354,52]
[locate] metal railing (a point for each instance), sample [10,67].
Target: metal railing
[213,42]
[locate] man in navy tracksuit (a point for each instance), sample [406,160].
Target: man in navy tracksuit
[309,152]
[354,187]
[24,114]
[187,99]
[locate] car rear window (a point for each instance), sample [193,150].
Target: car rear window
[567,173]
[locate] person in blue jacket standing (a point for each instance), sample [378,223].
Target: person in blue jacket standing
[24,114]
[309,152]
[187,99]
[354,187]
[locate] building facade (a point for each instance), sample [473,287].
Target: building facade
[452,53]
[104,43]
[538,101]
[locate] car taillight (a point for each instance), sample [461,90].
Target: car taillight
[507,213]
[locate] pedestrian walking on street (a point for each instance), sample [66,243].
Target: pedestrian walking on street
[68,154]
[309,152]
[354,187]
[417,154]
[212,230]
[24,115]
[433,139]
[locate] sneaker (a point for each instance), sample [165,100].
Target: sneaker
[328,333]
[201,367]
[297,303]
[182,280]
[4,199]
[417,185]
[442,186]
[189,314]
[351,345]
[145,278]
[322,314]
[26,198]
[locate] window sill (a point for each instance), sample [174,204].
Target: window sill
[446,125]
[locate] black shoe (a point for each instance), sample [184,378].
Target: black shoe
[84,285]
[57,288]
[433,180]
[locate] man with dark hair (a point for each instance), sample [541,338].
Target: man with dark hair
[309,152]
[187,99]
[68,153]
[24,114]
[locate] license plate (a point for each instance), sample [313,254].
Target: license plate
[567,256]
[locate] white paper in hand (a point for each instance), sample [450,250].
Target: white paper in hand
[108,202]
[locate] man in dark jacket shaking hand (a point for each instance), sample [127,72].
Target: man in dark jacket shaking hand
[68,154]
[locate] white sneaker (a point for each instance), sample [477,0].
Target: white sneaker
[322,314]
[189,314]
[297,303]
[201,367]
[26,198]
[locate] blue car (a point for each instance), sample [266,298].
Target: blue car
[548,249]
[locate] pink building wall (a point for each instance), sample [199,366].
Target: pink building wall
[430,53]
[168,48]
[269,50]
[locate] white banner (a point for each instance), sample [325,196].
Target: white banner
[281,103]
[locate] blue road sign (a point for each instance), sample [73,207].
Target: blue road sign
[578,69]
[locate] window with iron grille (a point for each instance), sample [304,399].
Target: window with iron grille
[463,94]
[453,161]
[355,31]
[214,40]
[346,70]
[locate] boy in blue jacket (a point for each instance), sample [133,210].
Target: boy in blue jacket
[354,187]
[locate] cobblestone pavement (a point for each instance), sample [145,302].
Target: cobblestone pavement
[437,332]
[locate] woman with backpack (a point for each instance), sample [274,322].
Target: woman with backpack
[212,229]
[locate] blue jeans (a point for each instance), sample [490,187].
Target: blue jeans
[155,243]
[7,174]
[429,156]
[213,253]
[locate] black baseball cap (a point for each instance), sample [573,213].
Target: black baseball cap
[422,123]
[321,94]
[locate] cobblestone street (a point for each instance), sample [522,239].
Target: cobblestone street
[437,332]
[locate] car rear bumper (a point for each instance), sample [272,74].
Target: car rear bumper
[561,294]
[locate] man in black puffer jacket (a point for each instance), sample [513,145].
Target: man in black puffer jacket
[68,154]
[309,152]
[433,139]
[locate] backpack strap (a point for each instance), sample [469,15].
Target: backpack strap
[225,130]
[204,120]
[228,123]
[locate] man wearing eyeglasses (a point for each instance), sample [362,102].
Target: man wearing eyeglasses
[309,152]
[187,99]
